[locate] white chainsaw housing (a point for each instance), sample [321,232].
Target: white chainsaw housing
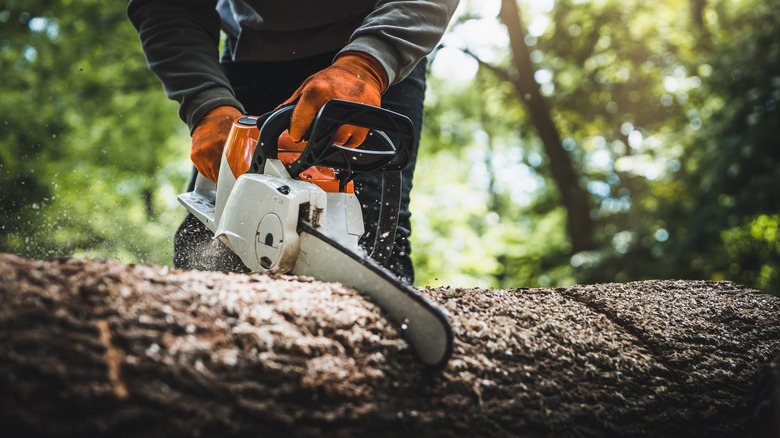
[257,215]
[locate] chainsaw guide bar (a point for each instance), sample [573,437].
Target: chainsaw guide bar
[424,326]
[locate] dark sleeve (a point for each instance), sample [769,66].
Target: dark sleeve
[400,33]
[180,39]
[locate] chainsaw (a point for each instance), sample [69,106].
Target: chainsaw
[294,211]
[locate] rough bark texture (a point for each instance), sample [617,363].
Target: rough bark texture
[101,348]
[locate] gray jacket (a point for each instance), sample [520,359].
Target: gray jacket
[180,38]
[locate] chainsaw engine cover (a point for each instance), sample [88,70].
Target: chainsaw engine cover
[260,219]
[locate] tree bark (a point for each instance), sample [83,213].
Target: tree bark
[98,348]
[579,224]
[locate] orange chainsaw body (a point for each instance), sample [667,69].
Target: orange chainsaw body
[240,147]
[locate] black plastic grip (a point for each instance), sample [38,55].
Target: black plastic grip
[387,148]
[271,125]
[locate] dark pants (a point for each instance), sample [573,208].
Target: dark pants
[260,87]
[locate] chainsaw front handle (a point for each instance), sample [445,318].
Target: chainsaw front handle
[388,147]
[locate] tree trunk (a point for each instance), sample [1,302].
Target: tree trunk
[100,348]
[697,13]
[579,224]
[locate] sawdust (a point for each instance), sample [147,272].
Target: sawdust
[204,353]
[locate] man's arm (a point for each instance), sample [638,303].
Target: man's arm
[180,39]
[399,33]
[386,47]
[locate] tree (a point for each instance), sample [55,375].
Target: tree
[670,125]
[578,222]
[715,215]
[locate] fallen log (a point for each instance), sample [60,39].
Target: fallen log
[90,347]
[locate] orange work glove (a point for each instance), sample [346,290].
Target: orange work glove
[353,76]
[208,139]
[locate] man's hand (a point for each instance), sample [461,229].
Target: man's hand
[208,140]
[354,76]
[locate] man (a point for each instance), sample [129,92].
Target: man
[283,51]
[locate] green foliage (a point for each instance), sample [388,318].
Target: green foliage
[672,122]
[478,175]
[89,145]
[723,155]
[753,252]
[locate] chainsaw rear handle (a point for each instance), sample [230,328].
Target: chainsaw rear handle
[387,148]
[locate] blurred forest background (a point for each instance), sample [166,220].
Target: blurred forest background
[566,141]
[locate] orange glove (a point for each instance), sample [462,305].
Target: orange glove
[208,139]
[353,76]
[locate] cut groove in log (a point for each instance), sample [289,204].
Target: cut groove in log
[91,347]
